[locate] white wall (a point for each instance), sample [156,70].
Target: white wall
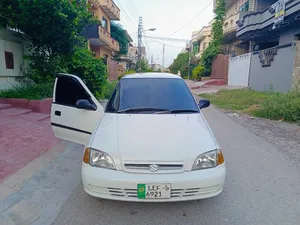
[239,70]
[10,43]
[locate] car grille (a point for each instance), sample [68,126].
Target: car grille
[175,193]
[160,167]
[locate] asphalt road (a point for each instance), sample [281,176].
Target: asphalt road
[262,187]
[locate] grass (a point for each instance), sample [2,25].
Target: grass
[276,106]
[32,92]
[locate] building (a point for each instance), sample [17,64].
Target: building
[12,63]
[129,60]
[99,38]
[232,45]
[272,30]
[201,39]
[157,67]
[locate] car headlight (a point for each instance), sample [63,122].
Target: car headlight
[208,160]
[98,158]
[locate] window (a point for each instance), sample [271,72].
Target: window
[104,23]
[297,37]
[105,57]
[163,93]
[9,60]
[69,91]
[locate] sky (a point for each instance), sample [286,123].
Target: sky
[167,16]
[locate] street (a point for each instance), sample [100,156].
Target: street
[262,187]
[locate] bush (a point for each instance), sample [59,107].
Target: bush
[270,105]
[281,107]
[34,92]
[127,72]
[109,88]
[90,69]
[197,72]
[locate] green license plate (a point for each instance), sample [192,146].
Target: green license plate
[154,191]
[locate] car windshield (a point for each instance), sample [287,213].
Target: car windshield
[152,95]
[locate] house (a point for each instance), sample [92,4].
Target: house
[272,30]
[129,60]
[157,67]
[99,37]
[232,45]
[12,50]
[201,39]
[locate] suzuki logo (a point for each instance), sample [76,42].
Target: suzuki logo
[153,167]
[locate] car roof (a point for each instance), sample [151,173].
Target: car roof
[152,75]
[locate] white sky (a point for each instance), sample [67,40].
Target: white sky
[166,16]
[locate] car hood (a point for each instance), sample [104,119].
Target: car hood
[153,137]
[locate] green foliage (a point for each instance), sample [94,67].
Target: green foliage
[270,105]
[127,72]
[281,107]
[217,38]
[51,27]
[36,92]
[118,33]
[53,30]
[90,69]
[207,58]
[109,88]
[181,63]
[142,66]
[198,72]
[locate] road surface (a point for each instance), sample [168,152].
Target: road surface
[262,187]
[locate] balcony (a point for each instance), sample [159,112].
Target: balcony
[202,34]
[110,8]
[94,3]
[253,25]
[98,36]
[230,25]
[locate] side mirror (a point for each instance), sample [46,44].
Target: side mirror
[85,104]
[204,103]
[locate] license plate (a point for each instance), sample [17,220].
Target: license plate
[154,191]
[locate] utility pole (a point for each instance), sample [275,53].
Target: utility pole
[163,58]
[189,68]
[140,34]
[152,61]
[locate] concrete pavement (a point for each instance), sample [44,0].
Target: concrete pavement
[262,187]
[24,136]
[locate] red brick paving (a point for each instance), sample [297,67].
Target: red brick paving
[24,136]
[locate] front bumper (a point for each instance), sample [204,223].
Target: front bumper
[120,185]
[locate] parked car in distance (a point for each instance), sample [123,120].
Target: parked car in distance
[150,144]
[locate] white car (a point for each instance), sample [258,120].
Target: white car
[150,144]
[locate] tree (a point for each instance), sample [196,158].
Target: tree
[52,30]
[217,39]
[181,63]
[118,33]
[143,66]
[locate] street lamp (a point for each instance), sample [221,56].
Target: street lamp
[151,29]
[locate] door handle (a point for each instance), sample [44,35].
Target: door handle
[57,113]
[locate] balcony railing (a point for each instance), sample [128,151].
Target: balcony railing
[110,8]
[252,22]
[94,3]
[106,38]
[230,23]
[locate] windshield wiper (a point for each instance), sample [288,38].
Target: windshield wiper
[179,111]
[140,109]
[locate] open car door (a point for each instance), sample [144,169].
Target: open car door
[75,112]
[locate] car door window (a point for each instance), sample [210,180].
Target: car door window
[68,91]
